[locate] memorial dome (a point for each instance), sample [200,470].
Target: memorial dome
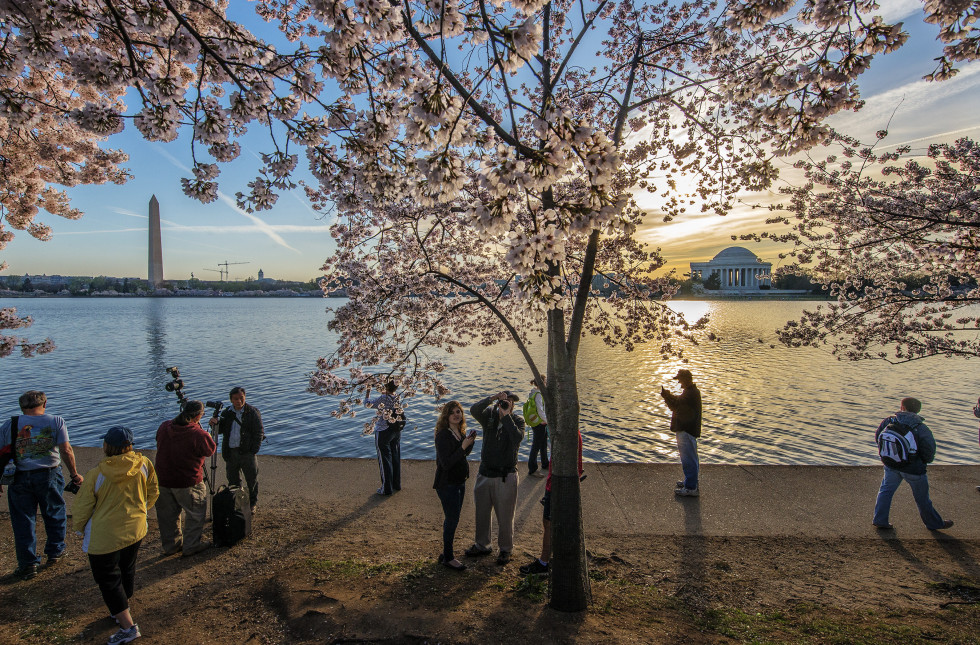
[736,254]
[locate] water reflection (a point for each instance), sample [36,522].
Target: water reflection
[762,405]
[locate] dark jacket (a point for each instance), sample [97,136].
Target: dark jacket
[685,410]
[926,443]
[452,469]
[252,432]
[181,451]
[501,439]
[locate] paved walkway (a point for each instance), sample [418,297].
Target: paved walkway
[637,499]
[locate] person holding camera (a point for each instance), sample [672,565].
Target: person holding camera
[453,444]
[110,512]
[685,422]
[497,479]
[242,434]
[37,443]
[182,447]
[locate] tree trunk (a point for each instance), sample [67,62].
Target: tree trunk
[569,572]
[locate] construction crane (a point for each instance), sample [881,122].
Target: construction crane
[220,273]
[225,265]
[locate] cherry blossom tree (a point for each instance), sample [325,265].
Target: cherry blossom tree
[484,159]
[867,222]
[10,320]
[496,182]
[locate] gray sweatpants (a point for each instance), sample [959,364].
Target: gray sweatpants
[500,496]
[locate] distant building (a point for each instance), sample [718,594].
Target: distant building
[262,277]
[737,268]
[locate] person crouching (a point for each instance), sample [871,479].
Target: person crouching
[110,511]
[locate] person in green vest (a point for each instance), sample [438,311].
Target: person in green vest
[536,417]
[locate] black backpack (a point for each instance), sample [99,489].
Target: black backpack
[897,444]
[397,422]
[231,515]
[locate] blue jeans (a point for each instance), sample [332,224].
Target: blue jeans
[451,497]
[32,490]
[388,443]
[920,492]
[687,447]
[539,445]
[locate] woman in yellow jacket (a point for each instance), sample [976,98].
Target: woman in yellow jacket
[110,511]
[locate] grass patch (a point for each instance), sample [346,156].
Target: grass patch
[48,625]
[352,568]
[534,588]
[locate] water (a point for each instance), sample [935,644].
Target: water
[762,405]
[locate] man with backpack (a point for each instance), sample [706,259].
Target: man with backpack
[37,444]
[388,425]
[906,446]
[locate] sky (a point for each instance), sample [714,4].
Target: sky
[291,241]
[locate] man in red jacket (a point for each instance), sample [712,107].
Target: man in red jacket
[182,447]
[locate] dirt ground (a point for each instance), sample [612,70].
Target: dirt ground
[309,575]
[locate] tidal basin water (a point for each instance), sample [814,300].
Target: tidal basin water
[762,405]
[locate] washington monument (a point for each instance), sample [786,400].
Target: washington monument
[155,270]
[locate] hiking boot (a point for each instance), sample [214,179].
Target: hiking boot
[56,558]
[686,492]
[540,474]
[679,485]
[125,635]
[503,558]
[476,551]
[534,568]
[200,546]
[946,524]
[26,572]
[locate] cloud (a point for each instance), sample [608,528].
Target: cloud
[259,224]
[183,228]
[127,213]
[894,10]
[912,102]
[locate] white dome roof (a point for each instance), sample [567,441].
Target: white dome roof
[736,254]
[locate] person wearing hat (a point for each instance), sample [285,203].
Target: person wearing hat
[37,443]
[110,513]
[496,480]
[685,422]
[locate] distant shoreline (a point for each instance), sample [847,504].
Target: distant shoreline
[314,294]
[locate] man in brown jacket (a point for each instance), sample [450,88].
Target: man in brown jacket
[685,421]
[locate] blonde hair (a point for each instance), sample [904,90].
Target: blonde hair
[442,423]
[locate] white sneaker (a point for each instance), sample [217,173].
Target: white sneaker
[125,635]
[687,492]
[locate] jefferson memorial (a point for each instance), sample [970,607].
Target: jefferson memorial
[737,267]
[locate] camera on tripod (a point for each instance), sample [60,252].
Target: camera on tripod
[214,405]
[176,384]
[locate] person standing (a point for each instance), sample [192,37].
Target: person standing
[497,479]
[976,413]
[240,427]
[182,447]
[38,443]
[914,472]
[453,444]
[388,437]
[540,566]
[110,512]
[685,422]
[536,416]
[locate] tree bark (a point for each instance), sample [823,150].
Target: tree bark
[569,587]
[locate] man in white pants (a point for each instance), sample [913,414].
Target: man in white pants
[496,481]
